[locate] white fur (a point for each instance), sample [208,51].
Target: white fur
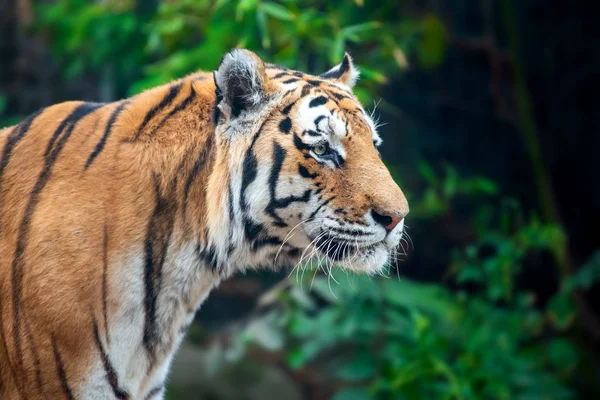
[183,276]
[332,129]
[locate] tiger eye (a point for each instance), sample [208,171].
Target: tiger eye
[320,149]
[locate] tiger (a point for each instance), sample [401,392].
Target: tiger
[118,219]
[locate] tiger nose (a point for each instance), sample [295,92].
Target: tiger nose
[389,220]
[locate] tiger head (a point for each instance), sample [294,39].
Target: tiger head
[304,175]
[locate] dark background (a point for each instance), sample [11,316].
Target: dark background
[490,126]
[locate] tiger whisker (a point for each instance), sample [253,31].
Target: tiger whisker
[291,233]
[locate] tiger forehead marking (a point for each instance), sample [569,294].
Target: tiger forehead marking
[117,220]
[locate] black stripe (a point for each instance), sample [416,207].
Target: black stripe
[4,346]
[266,241]
[182,106]
[323,204]
[285,125]
[318,101]
[209,256]
[13,138]
[315,82]
[291,80]
[109,370]
[57,133]
[339,96]
[275,203]
[300,145]
[107,131]
[81,111]
[251,229]
[280,75]
[105,283]
[55,146]
[304,172]
[218,98]
[288,108]
[305,90]
[200,160]
[230,204]
[319,119]
[168,99]
[160,228]
[36,356]
[60,371]
[154,391]
[231,218]
[310,132]
[249,173]
[339,71]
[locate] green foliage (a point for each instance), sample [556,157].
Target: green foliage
[437,197]
[88,36]
[586,276]
[401,339]
[143,50]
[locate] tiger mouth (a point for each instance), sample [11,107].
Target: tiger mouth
[339,249]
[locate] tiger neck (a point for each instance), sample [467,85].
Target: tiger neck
[187,165]
[198,170]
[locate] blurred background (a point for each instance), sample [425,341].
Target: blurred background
[490,127]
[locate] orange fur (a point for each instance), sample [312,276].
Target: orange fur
[78,204]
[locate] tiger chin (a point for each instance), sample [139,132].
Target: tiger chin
[117,220]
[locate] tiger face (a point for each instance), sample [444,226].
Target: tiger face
[306,178]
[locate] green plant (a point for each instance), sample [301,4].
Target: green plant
[142,50]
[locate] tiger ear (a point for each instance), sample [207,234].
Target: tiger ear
[345,72]
[241,82]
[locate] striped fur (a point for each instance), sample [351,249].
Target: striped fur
[116,220]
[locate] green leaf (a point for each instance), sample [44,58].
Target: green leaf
[469,274]
[277,11]
[303,326]
[337,49]
[451,182]
[587,276]
[561,310]
[361,28]
[362,367]
[243,7]
[426,171]
[296,358]
[433,42]
[261,22]
[563,355]
[373,75]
